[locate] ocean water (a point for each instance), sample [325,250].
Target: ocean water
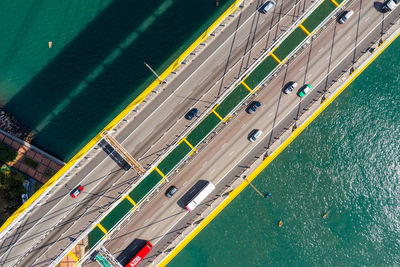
[345,164]
[67,93]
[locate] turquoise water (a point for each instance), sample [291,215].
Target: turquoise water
[94,69]
[345,164]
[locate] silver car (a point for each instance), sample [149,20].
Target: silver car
[345,16]
[254,134]
[267,6]
[290,87]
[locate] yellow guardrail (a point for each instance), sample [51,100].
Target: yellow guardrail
[121,115]
[270,158]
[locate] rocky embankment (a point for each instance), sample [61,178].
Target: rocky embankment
[9,124]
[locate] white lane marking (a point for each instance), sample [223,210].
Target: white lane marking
[268,133]
[211,56]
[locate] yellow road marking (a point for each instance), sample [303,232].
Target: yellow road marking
[275,57]
[130,200]
[247,87]
[335,3]
[227,117]
[73,256]
[102,228]
[304,29]
[216,114]
[187,142]
[265,163]
[160,172]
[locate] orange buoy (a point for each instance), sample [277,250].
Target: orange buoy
[280,223]
[50,44]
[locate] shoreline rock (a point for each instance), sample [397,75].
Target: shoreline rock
[9,124]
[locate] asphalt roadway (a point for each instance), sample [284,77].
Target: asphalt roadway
[229,152]
[61,220]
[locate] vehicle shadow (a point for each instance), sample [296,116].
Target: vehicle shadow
[379,7]
[191,193]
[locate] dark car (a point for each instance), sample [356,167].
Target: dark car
[76,192]
[253,107]
[171,191]
[192,113]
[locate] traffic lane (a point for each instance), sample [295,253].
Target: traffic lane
[206,70]
[347,34]
[60,213]
[160,212]
[210,73]
[153,219]
[46,204]
[38,214]
[314,64]
[338,69]
[207,159]
[67,210]
[111,192]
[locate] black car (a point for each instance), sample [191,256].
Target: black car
[192,113]
[253,107]
[171,191]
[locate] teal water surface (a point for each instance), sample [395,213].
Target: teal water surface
[67,93]
[345,164]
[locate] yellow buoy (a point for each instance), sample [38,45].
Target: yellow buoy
[280,223]
[50,44]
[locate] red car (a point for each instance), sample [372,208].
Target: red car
[76,192]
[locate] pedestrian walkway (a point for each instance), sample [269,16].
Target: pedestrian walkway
[31,160]
[73,256]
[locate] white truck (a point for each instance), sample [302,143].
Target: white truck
[389,5]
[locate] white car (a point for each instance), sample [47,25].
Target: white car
[267,6]
[254,134]
[345,16]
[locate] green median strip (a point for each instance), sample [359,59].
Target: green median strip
[319,15]
[290,43]
[145,186]
[174,157]
[262,71]
[203,129]
[232,100]
[116,214]
[94,236]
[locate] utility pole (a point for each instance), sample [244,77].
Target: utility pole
[154,72]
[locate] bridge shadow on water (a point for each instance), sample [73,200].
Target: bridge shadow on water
[98,73]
